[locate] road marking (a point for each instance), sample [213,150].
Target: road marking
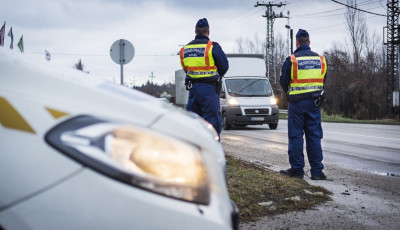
[340,133]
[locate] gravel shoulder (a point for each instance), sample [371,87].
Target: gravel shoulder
[360,199]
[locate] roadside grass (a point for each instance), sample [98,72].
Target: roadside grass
[260,192]
[339,119]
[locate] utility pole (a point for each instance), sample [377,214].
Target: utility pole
[152,77]
[287,26]
[132,82]
[289,35]
[393,41]
[270,45]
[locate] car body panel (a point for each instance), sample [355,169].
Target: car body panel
[24,174]
[26,87]
[44,189]
[106,203]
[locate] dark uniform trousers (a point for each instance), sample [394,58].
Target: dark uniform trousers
[305,118]
[204,101]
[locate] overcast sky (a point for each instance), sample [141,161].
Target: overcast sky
[85,29]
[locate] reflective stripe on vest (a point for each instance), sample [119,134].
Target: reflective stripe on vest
[197,60]
[306,87]
[307,74]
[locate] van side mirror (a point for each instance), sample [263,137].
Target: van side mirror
[222,95]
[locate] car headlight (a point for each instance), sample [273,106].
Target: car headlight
[134,155]
[205,123]
[233,101]
[273,101]
[211,130]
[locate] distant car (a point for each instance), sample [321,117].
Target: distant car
[80,153]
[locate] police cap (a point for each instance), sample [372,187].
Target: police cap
[302,33]
[201,23]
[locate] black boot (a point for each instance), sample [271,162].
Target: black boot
[290,172]
[320,176]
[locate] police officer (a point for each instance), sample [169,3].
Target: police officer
[303,77]
[204,63]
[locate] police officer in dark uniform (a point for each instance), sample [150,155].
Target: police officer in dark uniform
[204,63]
[303,77]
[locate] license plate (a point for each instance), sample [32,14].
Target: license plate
[256,118]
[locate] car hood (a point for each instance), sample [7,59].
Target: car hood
[69,92]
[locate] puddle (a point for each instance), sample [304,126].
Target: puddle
[393,174]
[384,173]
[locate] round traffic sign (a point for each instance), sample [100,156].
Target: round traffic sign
[122,51]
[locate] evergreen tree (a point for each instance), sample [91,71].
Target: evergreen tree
[79,65]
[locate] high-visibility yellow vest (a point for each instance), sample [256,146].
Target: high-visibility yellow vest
[307,74]
[197,60]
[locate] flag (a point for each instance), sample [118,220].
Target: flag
[21,44]
[10,34]
[47,55]
[2,33]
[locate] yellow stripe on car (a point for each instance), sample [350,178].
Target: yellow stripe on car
[56,113]
[10,118]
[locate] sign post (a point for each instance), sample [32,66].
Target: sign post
[122,52]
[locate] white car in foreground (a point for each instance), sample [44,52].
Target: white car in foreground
[80,153]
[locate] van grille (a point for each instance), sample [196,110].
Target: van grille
[256,111]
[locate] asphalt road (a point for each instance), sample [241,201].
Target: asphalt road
[373,148]
[362,163]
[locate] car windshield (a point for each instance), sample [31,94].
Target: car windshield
[248,87]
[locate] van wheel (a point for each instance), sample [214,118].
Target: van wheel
[225,123]
[273,126]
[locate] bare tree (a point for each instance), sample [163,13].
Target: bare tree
[248,46]
[357,29]
[280,51]
[356,92]
[240,46]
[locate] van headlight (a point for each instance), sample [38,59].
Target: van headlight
[233,101]
[273,101]
[135,155]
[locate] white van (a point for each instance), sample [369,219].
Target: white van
[246,94]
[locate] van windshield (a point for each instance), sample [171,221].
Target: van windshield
[248,87]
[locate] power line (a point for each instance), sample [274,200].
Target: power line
[240,22]
[322,12]
[318,14]
[294,2]
[338,9]
[330,15]
[380,1]
[230,20]
[358,9]
[339,24]
[101,55]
